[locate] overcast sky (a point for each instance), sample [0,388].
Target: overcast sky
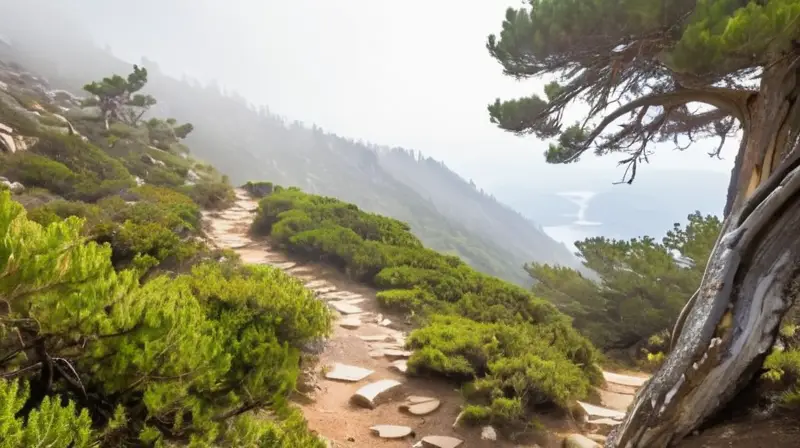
[413,73]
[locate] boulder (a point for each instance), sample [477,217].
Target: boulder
[7,143]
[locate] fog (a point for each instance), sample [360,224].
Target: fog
[414,74]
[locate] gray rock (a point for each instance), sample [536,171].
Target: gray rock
[441,442]
[392,431]
[344,372]
[350,323]
[315,347]
[7,143]
[345,308]
[488,433]
[579,441]
[420,405]
[371,395]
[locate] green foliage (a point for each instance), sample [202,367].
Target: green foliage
[643,55]
[117,98]
[96,173]
[258,189]
[180,358]
[642,287]
[211,195]
[475,327]
[49,425]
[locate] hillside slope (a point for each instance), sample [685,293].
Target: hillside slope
[444,210]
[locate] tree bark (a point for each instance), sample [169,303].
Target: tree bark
[752,275]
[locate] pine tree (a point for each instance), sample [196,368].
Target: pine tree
[650,62]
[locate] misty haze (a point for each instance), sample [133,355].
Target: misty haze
[306,223]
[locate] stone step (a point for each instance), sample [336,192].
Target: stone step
[345,308]
[344,372]
[373,394]
[392,431]
[594,411]
[624,380]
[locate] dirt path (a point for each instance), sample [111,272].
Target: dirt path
[367,338]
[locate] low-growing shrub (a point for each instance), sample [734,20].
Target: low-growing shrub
[517,350]
[178,359]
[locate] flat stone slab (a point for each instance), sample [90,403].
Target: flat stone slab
[392,353]
[625,380]
[285,265]
[350,323]
[344,372]
[323,290]
[597,411]
[420,405]
[579,441]
[386,345]
[316,284]
[401,365]
[385,323]
[345,308]
[340,295]
[441,442]
[392,431]
[376,338]
[372,394]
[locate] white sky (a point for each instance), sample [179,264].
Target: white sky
[413,73]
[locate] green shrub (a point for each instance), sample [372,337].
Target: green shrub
[33,170]
[177,359]
[211,195]
[98,174]
[476,327]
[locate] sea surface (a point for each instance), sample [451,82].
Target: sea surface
[578,226]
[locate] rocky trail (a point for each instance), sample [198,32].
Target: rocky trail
[359,395]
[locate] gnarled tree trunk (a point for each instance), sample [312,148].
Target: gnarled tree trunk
[751,276]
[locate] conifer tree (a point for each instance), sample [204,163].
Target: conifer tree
[643,67]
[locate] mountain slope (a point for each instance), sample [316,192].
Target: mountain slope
[445,211]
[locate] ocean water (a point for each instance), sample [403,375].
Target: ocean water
[579,226]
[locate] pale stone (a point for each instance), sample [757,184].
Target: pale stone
[401,365]
[376,353]
[344,372]
[391,353]
[350,323]
[7,143]
[315,284]
[597,411]
[286,265]
[6,129]
[579,441]
[385,323]
[345,308]
[625,380]
[392,431]
[324,290]
[420,405]
[372,394]
[441,442]
[340,295]
[488,433]
[376,338]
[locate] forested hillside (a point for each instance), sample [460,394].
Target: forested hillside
[249,142]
